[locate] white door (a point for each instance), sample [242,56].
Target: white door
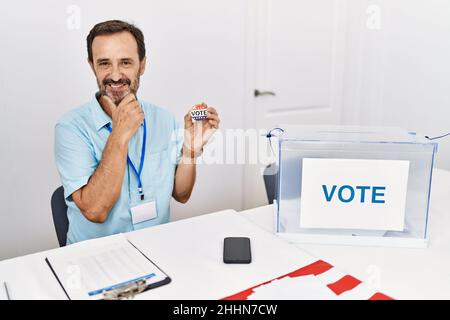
[295,65]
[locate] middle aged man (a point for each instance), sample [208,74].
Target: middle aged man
[122,159]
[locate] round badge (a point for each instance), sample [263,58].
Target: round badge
[199,112]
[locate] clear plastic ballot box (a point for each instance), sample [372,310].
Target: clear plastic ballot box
[353,185]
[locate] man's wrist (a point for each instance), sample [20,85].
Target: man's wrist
[119,139]
[187,160]
[189,155]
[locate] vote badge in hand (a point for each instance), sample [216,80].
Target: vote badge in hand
[199,112]
[200,123]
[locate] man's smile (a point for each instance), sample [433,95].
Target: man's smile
[118,86]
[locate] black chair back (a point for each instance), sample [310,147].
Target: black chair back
[270,176]
[59,212]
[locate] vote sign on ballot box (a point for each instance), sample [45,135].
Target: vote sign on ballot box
[354,185]
[356,194]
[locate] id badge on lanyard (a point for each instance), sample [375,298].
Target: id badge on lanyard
[145,211]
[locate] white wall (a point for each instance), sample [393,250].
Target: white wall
[394,75]
[397,74]
[195,51]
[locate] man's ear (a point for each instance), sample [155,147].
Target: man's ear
[142,65]
[91,64]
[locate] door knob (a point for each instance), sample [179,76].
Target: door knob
[263,93]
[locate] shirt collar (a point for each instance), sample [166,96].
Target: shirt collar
[99,116]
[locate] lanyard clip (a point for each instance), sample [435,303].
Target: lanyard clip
[141,193]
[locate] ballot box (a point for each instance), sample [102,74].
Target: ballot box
[353,185]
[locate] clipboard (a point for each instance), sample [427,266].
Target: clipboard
[131,283]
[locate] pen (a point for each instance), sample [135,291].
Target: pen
[7,292]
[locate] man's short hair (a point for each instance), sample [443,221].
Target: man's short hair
[116,26]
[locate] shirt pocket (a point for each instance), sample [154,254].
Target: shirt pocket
[155,167]
[158,171]
[157,174]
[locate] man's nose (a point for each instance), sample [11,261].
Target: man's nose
[115,75]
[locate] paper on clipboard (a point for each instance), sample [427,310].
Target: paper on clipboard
[89,269]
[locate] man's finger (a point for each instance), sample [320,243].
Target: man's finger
[212,116]
[214,123]
[108,104]
[130,97]
[188,120]
[134,106]
[212,110]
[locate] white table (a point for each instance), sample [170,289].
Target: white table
[400,272]
[190,252]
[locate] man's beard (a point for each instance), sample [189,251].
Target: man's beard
[117,95]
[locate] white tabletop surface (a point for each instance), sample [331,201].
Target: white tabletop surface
[402,273]
[190,252]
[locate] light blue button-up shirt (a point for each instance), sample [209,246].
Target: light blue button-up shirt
[80,138]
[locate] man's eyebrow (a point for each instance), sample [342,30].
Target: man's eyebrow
[126,59]
[102,60]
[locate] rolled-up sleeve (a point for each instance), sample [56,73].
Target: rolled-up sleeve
[179,133]
[74,157]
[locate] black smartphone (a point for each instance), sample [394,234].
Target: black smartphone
[236,250]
